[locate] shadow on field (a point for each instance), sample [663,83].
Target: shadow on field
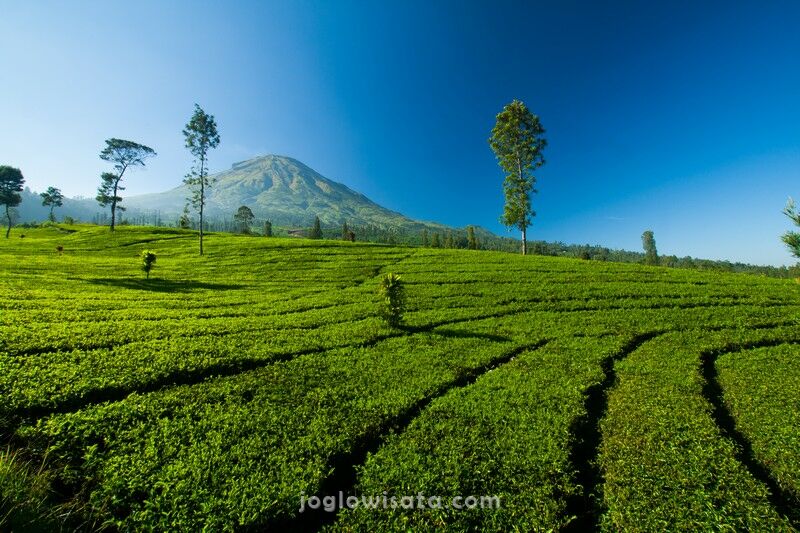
[461,334]
[162,285]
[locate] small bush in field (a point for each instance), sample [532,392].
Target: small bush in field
[393,293]
[148,259]
[60,249]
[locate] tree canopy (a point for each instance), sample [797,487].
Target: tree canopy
[518,142]
[244,216]
[201,136]
[11,182]
[54,198]
[124,154]
[792,238]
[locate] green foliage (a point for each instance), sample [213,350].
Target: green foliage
[316,230]
[11,181]
[211,397]
[124,155]
[518,142]
[649,245]
[244,217]
[761,387]
[792,238]
[148,260]
[392,291]
[472,242]
[666,465]
[185,222]
[267,228]
[26,496]
[53,198]
[435,242]
[201,135]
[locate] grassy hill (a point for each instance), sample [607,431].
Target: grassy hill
[225,389]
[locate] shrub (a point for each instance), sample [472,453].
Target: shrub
[148,259]
[393,293]
[69,220]
[60,249]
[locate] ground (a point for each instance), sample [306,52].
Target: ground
[228,388]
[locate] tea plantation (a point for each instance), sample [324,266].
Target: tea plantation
[218,392]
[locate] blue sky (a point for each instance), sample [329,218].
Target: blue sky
[680,117]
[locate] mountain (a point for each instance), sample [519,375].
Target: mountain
[276,188]
[283,190]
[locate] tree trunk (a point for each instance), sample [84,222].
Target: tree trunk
[525,241]
[8,216]
[202,198]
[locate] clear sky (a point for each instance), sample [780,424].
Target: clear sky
[680,117]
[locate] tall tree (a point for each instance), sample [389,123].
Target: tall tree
[11,181]
[792,238]
[518,142]
[201,136]
[472,242]
[52,197]
[316,230]
[124,154]
[436,241]
[184,222]
[345,232]
[244,216]
[424,237]
[649,245]
[267,229]
[108,194]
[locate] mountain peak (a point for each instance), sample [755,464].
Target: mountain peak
[282,189]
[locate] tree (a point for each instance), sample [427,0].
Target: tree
[345,232]
[148,259]
[11,181]
[184,222]
[393,293]
[650,252]
[52,197]
[424,237]
[316,230]
[201,136]
[244,216]
[435,241]
[518,142]
[792,238]
[472,242]
[124,154]
[267,229]
[108,194]
[448,240]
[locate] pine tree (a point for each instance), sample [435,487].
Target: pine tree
[345,232]
[267,229]
[54,198]
[472,242]
[424,237]
[792,238]
[316,230]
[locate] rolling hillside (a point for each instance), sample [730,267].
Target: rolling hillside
[276,188]
[227,388]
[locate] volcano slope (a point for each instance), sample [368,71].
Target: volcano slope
[229,389]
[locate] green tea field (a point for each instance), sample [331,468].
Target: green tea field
[225,390]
